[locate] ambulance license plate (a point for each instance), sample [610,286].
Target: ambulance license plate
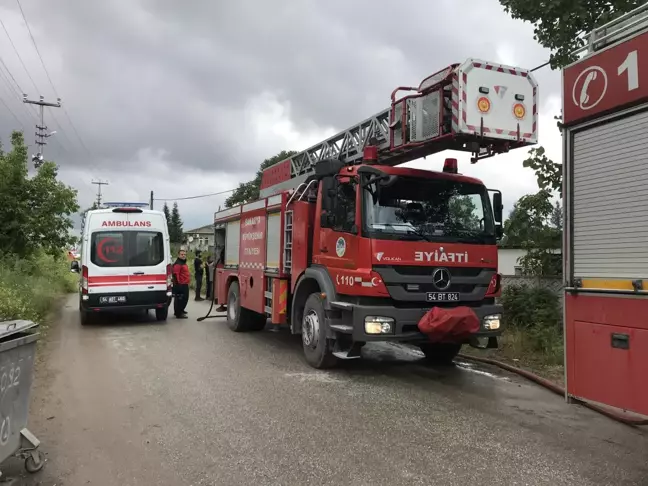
[113,299]
[443,296]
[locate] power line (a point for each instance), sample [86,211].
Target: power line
[195,197]
[35,47]
[18,54]
[22,12]
[12,113]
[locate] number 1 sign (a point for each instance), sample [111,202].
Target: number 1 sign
[607,81]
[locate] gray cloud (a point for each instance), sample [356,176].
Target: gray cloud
[155,86]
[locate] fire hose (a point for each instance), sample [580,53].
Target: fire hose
[213,297]
[558,390]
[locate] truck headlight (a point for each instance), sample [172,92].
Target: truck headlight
[379,325]
[492,322]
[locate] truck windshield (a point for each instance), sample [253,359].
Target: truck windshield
[430,209]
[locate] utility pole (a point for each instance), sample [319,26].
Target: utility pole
[151,201]
[41,129]
[99,183]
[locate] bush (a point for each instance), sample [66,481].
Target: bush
[30,287]
[535,313]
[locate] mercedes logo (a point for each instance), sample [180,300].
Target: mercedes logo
[441,278]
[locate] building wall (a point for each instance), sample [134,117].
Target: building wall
[507,260]
[202,242]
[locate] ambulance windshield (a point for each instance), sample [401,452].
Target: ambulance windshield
[430,209]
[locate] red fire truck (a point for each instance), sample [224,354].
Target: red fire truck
[346,247]
[605,112]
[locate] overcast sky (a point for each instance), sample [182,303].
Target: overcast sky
[187,98]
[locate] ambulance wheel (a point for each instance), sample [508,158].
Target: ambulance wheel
[84,316]
[162,313]
[318,350]
[440,353]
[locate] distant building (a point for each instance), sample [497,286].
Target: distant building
[508,260]
[200,238]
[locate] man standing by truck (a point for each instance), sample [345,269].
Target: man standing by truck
[198,273]
[181,279]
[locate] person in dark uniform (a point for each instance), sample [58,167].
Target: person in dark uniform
[198,274]
[220,263]
[209,277]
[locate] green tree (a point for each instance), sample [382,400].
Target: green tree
[249,191]
[167,214]
[561,26]
[175,228]
[533,225]
[34,212]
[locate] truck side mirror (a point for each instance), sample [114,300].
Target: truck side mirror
[328,193]
[74,266]
[499,231]
[497,206]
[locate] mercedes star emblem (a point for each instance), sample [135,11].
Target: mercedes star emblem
[441,278]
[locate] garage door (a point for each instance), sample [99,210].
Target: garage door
[610,209]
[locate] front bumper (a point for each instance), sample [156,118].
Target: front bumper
[405,321]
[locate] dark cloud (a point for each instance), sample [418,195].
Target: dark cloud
[170,94]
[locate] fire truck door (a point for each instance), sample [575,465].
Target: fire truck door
[339,240]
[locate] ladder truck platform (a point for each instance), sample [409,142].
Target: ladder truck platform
[476,106]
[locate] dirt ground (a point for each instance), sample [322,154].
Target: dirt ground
[130,401]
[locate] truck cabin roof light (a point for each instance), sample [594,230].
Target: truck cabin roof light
[370,154]
[450,166]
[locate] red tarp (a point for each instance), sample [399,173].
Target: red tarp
[451,324]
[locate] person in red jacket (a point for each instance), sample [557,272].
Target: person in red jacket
[181,279]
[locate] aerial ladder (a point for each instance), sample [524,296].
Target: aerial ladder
[476,106]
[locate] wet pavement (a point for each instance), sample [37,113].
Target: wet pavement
[130,401]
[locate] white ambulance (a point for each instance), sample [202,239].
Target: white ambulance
[125,261]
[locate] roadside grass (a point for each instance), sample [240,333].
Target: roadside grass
[30,288]
[533,336]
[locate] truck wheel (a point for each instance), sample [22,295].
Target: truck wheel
[162,313]
[317,348]
[255,321]
[234,320]
[440,353]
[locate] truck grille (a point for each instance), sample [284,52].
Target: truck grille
[408,283]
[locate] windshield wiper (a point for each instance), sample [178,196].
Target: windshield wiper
[408,233]
[413,231]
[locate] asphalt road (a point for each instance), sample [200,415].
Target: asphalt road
[134,402]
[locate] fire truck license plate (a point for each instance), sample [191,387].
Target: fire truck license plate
[113,299]
[442,296]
